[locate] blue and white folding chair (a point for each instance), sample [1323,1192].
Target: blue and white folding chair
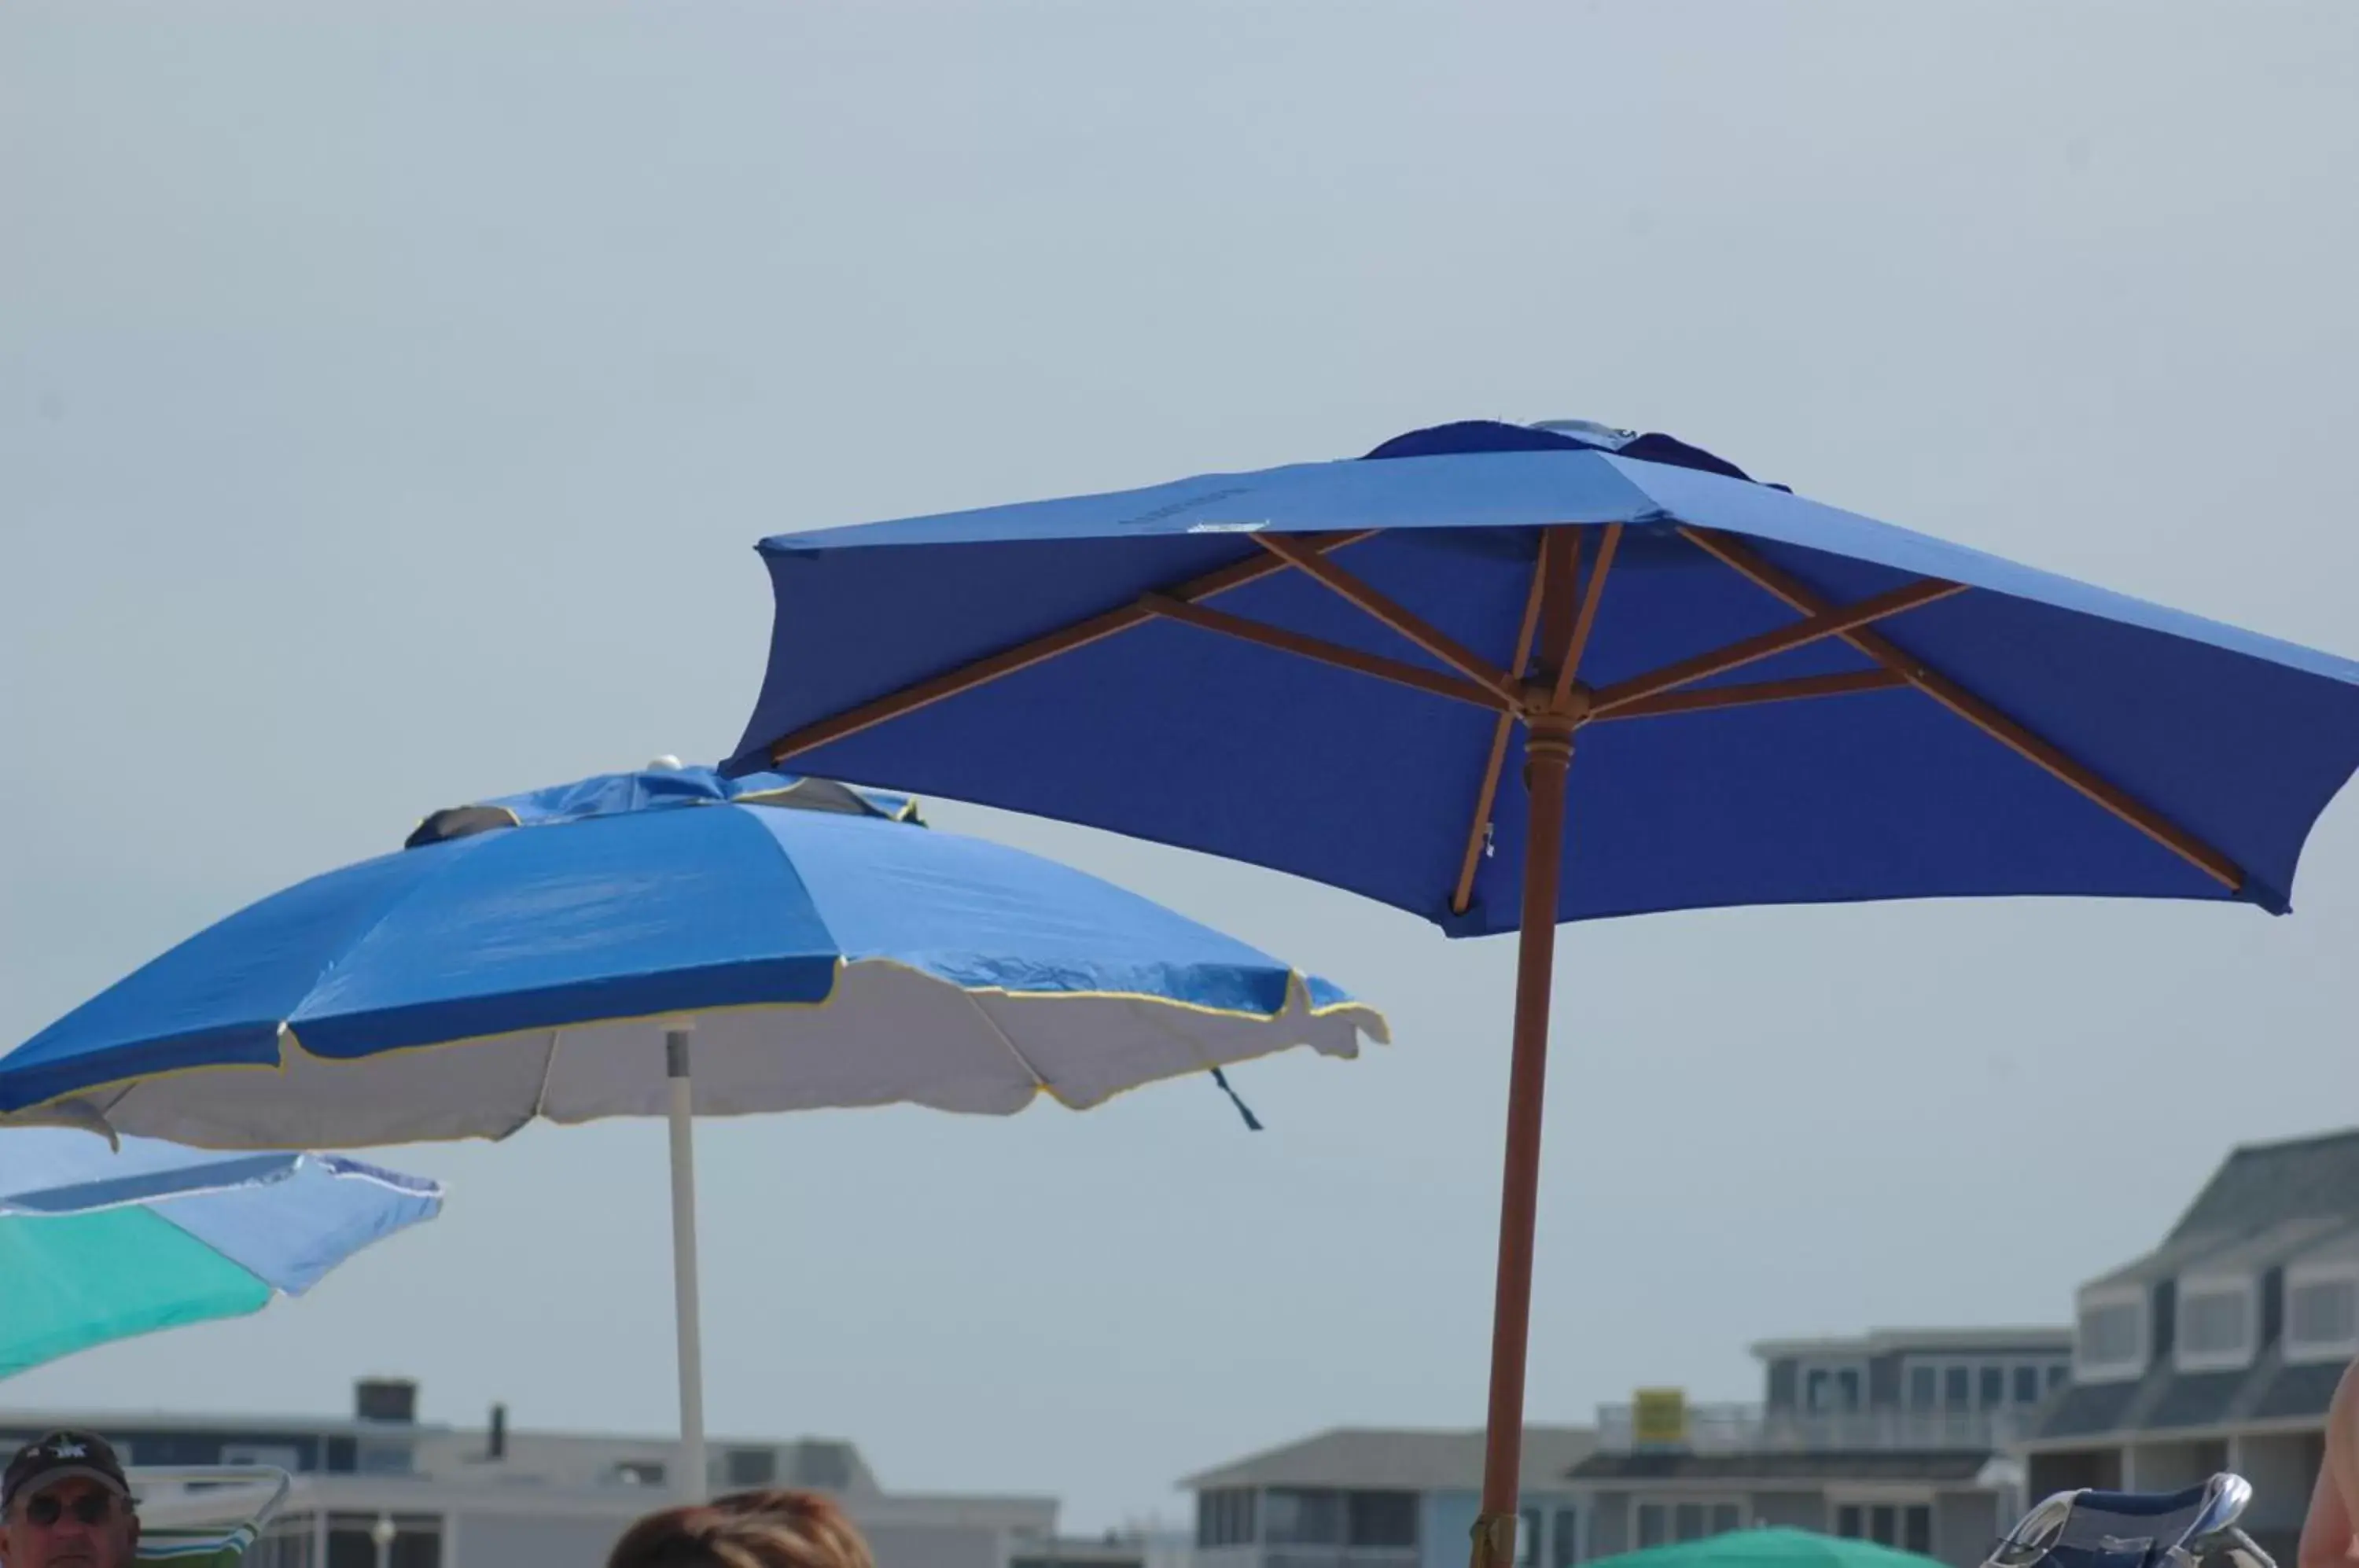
[205,1516]
[2090,1528]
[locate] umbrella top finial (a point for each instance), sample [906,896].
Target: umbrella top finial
[1470,436]
[663,785]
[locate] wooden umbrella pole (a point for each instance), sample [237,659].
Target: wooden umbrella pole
[1548,755]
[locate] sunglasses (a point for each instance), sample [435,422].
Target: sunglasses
[90,1508]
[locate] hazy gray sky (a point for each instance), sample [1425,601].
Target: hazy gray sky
[390,396]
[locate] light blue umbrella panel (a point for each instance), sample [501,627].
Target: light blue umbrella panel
[99,1243]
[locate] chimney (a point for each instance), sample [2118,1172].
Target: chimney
[385,1399]
[495,1444]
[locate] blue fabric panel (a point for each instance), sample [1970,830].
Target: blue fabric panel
[2143,1505]
[979,914]
[290,1232]
[220,996]
[624,917]
[56,1171]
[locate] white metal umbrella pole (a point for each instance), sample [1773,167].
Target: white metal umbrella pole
[690,1484]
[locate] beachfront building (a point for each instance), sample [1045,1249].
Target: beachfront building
[1895,1436]
[495,1496]
[1382,1498]
[2220,1348]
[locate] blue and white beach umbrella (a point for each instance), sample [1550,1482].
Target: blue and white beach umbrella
[553,954]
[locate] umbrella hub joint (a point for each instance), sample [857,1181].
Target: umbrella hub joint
[1548,750]
[1550,718]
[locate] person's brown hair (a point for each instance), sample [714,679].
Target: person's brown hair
[772,1528]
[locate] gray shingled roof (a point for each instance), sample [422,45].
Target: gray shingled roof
[1882,1464]
[2286,1239]
[2342,1245]
[2087,1408]
[2167,1399]
[2196,1399]
[2267,1204]
[2263,1183]
[2301,1390]
[1394,1459]
[2032,1338]
[2167,1261]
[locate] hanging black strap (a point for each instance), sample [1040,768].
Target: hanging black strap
[1252,1123]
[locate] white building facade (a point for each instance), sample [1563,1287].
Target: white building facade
[492,1498]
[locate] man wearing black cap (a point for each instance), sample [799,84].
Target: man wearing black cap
[64,1504]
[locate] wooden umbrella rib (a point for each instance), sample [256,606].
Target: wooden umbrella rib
[1586,621]
[1352,591]
[1478,831]
[1753,693]
[1826,621]
[1324,652]
[1560,594]
[2025,743]
[1037,650]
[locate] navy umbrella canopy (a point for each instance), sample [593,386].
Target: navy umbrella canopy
[1397,673]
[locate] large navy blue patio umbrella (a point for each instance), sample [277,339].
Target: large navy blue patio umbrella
[1331,667]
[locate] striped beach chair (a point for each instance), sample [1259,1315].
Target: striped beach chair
[2093,1529]
[205,1516]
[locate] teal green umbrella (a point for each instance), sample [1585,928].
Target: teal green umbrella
[1768,1549]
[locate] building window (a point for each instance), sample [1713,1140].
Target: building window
[2322,1318]
[1564,1538]
[385,1457]
[639,1472]
[1829,1390]
[286,1542]
[1301,1516]
[1527,1538]
[1960,1385]
[1381,1519]
[1224,1518]
[747,1467]
[275,1455]
[2056,1372]
[823,1466]
[1908,1526]
[2216,1326]
[1666,1523]
[417,1541]
[2113,1339]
